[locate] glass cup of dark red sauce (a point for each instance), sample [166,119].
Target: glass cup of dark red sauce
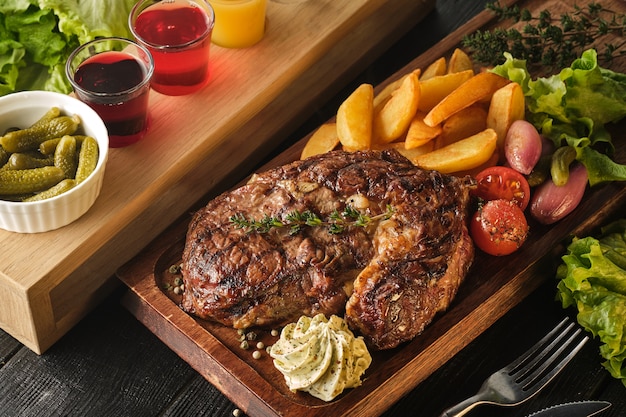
[178,35]
[112,76]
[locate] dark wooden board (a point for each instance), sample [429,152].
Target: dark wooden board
[493,287]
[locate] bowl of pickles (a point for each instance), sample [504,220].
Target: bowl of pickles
[53,151]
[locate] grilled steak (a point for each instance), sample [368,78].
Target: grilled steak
[390,276]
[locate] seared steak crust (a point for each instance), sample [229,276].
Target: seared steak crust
[390,277]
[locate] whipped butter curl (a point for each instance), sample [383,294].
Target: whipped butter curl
[320,356]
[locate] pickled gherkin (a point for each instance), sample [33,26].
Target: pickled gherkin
[30,138]
[48,147]
[4,156]
[55,190]
[29,180]
[45,159]
[87,159]
[65,156]
[28,161]
[53,113]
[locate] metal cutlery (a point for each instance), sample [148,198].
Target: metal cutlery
[528,374]
[573,409]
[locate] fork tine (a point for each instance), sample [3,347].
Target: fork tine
[544,378]
[542,361]
[522,360]
[537,366]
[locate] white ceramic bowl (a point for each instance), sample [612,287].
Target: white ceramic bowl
[23,109]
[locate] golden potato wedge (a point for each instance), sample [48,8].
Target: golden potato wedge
[323,140]
[381,98]
[507,105]
[460,61]
[435,69]
[354,118]
[436,88]
[463,124]
[419,132]
[393,120]
[413,153]
[479,87]
[462,155]
[492,161]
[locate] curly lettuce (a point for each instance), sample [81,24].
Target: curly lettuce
[573,108]
[593,279]
[37,36]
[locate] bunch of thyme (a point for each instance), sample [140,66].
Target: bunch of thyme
[336,223]
[547,41]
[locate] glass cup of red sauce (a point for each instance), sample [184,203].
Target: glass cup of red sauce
[112,76]
[178,34]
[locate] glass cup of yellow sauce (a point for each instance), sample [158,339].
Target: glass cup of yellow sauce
[238,23]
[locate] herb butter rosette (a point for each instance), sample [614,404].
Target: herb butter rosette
[320,356]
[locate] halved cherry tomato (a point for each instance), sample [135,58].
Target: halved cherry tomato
[500,182]
[499,227]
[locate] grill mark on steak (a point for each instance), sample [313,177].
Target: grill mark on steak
[390,278]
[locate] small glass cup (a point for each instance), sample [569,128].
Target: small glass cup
[238,23]
[178,34]
[112,76]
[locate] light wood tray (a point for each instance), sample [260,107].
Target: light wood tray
[493,286]
[256,96]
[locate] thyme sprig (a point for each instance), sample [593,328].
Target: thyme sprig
[548,40]
[295,220]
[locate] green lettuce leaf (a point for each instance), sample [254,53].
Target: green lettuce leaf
[573,107]
[593,279]
[37,36]
[36,32]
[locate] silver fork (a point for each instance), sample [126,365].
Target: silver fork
[528,374]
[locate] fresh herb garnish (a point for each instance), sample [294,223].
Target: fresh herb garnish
[336,223]
[547,40]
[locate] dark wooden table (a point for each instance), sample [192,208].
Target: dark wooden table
[111,365]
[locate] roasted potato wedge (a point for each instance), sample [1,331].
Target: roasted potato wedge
[507,105]
[460,61]
[435,89]
[435,69]
[445,118]
[477,88]
[463,124]
[393,120]
[462,155]
[323,140]
[381,98]
[419,132]
[492,161]
[354,118]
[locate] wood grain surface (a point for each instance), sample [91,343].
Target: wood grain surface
[48,281]
[493,287]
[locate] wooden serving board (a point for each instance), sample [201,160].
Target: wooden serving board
[493,286]
[255,98]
